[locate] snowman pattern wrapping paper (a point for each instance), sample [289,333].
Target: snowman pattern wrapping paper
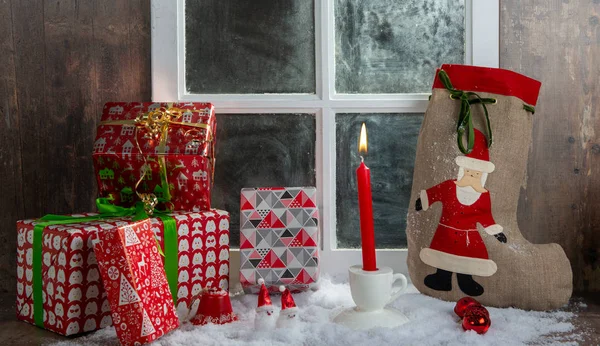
[74,297]
[135,281]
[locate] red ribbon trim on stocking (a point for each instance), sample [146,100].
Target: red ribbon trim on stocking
[491,80]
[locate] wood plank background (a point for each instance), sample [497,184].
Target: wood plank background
[62,59]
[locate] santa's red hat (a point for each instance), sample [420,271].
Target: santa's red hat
[479,158]
[287,301]
[264,300]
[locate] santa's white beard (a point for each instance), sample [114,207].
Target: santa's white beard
[264,321]
[286,320]
[467,195]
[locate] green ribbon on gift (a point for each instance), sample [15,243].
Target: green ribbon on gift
[106,211]
[171,260]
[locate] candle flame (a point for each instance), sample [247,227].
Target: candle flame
[362,142]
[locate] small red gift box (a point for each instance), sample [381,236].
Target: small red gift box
[173,151]
[135,282]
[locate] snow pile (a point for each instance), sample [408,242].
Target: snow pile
[432,322]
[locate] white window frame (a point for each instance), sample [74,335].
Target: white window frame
[168,84]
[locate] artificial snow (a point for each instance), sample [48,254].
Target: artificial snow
[432,322]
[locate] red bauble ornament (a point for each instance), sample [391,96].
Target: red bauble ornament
[462,304]
[477,318]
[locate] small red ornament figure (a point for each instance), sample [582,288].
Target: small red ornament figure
[477,318]
[215,307]
[462,305]
[288,308]
[264,318]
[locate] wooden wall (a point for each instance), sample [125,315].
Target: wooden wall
[558,43]
[62,59]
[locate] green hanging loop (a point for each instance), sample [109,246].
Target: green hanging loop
[465,120]
[529,108]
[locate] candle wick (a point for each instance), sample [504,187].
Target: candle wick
[362,159]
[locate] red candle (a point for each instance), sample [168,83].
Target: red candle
[365,206]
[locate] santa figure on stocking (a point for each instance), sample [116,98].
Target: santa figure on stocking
[457,246]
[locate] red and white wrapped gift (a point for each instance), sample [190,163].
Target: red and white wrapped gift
[72,299]
[174,152]
[136,284]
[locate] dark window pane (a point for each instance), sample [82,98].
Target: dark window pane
[390,46]
[241,46]
[392,146]
[260,150]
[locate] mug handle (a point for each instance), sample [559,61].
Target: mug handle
[398,289]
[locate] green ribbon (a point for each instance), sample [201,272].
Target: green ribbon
[106,211]
[171,260]
[465,120]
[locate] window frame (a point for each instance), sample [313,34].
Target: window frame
[168,83]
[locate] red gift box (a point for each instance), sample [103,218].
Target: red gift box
[176,160]
[138,292]
[72,297]
[196,245]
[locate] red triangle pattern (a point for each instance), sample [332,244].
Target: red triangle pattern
[294,243]
[271,221]
[303,239]
[307,240]
[277,263]
[271,260]
[246,245]
[245,204]
[309,203]
[303,278]
[297,202]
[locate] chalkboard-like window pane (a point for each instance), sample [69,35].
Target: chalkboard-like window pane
[390,46]
[241,46]
[392,146]
[259,150]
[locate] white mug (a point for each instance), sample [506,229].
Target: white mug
[373,290]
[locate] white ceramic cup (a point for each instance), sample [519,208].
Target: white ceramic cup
[373,290]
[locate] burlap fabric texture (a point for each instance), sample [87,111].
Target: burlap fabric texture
[463,236]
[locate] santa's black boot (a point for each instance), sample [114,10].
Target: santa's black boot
[440,281]
[468,285]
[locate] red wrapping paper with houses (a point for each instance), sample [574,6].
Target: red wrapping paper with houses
[138,292]
[123,152]
[75,300]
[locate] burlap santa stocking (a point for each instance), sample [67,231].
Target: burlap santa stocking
[463,237]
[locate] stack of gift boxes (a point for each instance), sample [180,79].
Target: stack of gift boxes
[134,264]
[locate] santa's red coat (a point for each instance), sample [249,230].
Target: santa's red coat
[457,245]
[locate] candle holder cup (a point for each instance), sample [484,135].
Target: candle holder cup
[371,292]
